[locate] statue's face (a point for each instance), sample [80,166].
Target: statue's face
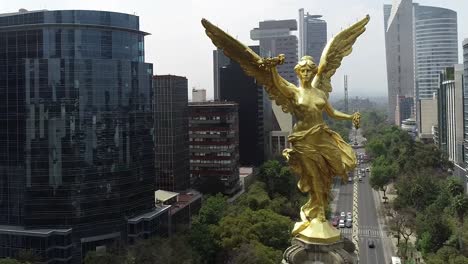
[305,73]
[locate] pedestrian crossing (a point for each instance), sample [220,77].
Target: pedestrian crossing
[364,231]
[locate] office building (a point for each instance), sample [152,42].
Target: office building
[254,124]
[465,109]
[403,109]
[275,37]
[312,35]
[171,133]
[450,113]
[428,118]
[453,84]
[435,46]
[420,42]
[214,146]
[198,95]
[398,21]
[77,159]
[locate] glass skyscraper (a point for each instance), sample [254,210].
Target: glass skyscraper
[435,46]
[76,124]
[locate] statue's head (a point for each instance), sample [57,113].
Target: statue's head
[306,68]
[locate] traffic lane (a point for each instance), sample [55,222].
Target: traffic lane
[345,199]
[369,217]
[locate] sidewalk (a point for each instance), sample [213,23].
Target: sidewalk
[389,242]
[335,194]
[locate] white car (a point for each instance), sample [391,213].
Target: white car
[368,169]
[341,224]
[342,215]
[349,215]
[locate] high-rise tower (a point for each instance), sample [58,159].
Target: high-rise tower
[171,132]
[76,160]
[312,35]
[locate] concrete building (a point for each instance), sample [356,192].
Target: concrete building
[214,146]
[403,108]
[428,118]
[398,21]
[312,35]
[455,122]
[198,95]
[254,122]
[465,114]
[275,37]
[76,155]
[171,133]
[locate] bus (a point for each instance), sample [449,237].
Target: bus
[396,260]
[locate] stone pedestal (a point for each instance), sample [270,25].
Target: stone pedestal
[304,252]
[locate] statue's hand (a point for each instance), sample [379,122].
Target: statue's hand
[271,62]
[356,119]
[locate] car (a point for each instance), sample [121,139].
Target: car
[349,219]
[348,224]
[360,178]
[341,224]
[363,170]
[371,244]
[349,215]
[342,215]
[368,169]
[350,179]
[335,221]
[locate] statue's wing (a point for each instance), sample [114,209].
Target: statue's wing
[251,63]
[337,48]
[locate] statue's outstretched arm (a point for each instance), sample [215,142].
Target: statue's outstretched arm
[333,113]
[288,89]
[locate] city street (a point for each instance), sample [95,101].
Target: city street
[369,228]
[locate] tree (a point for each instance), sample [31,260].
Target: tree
[460,207]
[433,221]
[94,257]
[212,210]
[255,253]
[263,226]
[382,174]
[10,261]
[278,178]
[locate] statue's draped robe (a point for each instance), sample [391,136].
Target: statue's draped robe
[317,155]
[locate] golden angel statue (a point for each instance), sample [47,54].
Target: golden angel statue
[317,153]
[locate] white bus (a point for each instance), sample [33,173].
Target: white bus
[396,260]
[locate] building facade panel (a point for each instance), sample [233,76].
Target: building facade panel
[75,124]
[214,146]
[171,132]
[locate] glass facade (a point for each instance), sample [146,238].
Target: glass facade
[237,87]
[171,133]
[76,121]
[436,46]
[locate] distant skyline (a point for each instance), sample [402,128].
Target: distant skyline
[178,45]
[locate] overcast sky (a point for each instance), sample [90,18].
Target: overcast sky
[178,45]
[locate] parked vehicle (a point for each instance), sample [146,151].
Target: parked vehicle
[335,221]
[350,179]
[368,169]
[371,244]
[341,224]
[348,224]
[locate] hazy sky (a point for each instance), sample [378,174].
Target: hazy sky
[178,45]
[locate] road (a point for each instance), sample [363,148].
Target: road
[369,228]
